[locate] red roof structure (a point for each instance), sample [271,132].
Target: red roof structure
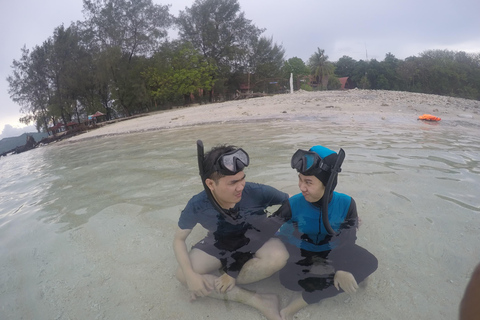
[59,127]
[97,114]
[56,127]
[343,81]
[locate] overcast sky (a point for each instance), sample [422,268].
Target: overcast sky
[359,29]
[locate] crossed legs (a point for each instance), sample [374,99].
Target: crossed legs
[270,258]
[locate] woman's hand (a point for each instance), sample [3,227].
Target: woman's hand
[346,281]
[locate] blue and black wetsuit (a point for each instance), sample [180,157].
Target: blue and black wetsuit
[315,255]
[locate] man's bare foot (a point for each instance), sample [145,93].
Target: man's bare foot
[364,283]
[285,315]
[293,307]
[269,306]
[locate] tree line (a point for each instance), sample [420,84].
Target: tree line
[119,60]
[441,72]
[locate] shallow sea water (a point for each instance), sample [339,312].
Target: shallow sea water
[86,228]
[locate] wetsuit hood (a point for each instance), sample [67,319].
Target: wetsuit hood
[328,157]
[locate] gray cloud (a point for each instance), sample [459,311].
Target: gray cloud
[9,131]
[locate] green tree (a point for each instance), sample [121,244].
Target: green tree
[345,66]
[300,71]
[333,83]
[320,67]
[130,92]
[470,65]
[97,94]
[408,74]
[218,30]
[266,59]
[390,78]
[67,66]
[178,71]
[128,31]
[360,72]
[374,71]
[29,87]
[47,82]
[439,73]
[364,83]
[137,27]
[382,83]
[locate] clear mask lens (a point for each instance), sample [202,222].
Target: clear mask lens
[234,161]
[304,161]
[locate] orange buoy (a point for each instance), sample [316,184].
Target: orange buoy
[429,117]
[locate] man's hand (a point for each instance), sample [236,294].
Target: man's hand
[346,281]
[198,286]
[224,283]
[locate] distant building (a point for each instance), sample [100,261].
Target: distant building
[95,118]
[72,125]
[244,88]
[346,83]
[59,127]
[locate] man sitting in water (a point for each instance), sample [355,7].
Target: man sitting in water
[238,243]
[320,234]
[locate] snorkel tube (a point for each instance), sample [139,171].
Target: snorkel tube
[201,158]
[334,173]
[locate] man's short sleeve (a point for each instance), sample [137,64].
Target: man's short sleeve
[273,196]
[187,218]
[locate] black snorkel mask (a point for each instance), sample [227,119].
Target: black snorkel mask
[230,163]
[227,164]
[309,163]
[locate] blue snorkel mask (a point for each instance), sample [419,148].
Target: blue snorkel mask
[308,163]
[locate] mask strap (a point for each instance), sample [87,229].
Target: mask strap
[201,158]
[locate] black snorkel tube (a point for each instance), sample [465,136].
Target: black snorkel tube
[334,173]
[201,158]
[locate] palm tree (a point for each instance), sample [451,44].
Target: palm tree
[320,67]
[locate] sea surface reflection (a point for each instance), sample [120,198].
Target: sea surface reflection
[86,227]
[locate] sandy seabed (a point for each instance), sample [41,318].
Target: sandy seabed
[353,107]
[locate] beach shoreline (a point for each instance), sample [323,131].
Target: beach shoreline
[352,107]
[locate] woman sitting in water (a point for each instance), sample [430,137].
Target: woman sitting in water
[320,234]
